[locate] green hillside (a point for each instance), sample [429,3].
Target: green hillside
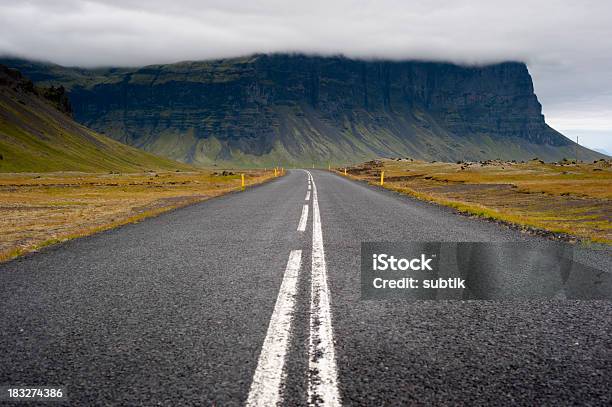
[37,136]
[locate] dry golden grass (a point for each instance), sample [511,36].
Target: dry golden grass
[41,209]
[567,198]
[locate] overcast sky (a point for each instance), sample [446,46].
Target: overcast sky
[566,44]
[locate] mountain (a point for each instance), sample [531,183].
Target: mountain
[296,109]
[38,134]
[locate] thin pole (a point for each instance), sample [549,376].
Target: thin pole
[577,150]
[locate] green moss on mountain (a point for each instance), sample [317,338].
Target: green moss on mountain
[35,136]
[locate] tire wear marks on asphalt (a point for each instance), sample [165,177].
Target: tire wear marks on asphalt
[269,377]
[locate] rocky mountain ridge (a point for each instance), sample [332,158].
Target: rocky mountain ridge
[298,110]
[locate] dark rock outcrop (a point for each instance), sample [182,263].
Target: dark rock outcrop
[12,78]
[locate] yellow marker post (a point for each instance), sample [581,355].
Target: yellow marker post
[382,178]
[345,171]
[275,172]
[242,179]
[328,167]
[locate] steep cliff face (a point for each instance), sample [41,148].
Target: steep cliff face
[294,109]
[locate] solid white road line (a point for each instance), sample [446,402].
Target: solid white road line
[323,375]
[267,380]
[303,219]
[309,187]
[307,196]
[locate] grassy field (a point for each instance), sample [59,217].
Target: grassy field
[573,201]
[42,209]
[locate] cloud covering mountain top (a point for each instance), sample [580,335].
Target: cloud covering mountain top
[565,43]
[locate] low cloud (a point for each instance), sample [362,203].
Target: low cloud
[565,43]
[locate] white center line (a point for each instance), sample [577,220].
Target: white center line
[307,196]
[303,219]
[323,375]
[267,380]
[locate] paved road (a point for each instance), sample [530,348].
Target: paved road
[253,299]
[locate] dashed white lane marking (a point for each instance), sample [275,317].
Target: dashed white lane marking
[303,219]
[323,375]
[267,380]
[307,196]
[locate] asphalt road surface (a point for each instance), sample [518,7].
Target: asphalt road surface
[253,298]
